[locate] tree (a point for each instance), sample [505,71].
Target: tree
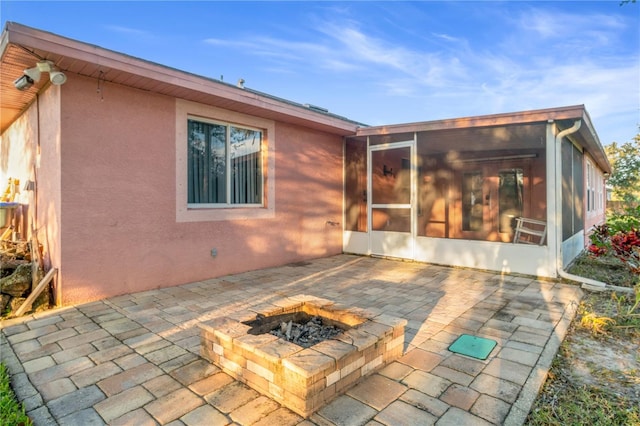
[625,162]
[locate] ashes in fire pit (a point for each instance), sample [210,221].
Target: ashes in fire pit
[299,328]
[302,378]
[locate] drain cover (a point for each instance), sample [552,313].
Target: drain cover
[473,346]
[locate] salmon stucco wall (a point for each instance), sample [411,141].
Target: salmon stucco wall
[119,230]
[49,195]
[598,215]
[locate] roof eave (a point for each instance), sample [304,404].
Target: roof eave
[588,136]
[492,120]
[72,50]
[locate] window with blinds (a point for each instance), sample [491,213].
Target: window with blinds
[224,165]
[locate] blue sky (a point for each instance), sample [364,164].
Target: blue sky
[384,62]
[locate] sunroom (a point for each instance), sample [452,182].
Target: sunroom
[452,192]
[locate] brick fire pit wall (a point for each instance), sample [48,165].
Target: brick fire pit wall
[303,379]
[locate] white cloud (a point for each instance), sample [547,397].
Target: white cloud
[128,31]
[550,23]
[536,58]
[448,38]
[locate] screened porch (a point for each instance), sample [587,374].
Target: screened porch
[451,194]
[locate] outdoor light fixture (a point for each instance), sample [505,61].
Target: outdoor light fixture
[32,75]
[23,82]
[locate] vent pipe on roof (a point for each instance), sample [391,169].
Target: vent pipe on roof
[316,108]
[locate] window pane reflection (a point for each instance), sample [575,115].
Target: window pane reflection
[472,211]
[394,220]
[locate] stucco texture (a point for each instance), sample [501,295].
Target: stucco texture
[119,232]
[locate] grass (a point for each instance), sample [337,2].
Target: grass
[606,319]
[606,268]
[11,412]
[564,403]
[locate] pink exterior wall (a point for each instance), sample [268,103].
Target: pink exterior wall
[598,215]
[119,227]
[49,194]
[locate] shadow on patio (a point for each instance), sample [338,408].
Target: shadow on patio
[134,359]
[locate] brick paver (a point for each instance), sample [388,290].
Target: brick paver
[344,411]
[55,389]
[162,385]
[377,391]
[426,383]
[281,417]
[421,360]
[435,406]
[508,370]
[231,396]
[134,359]
[75,401]
[174,405]
[59,371]
[205,415]
[129,378]
[211,384]
[254,410]
[460,396]
[400,413]
[491,409]
[137,417]
[86,417]
[194,371]
[457,417]
[502,389]
[118,405]
[38,364]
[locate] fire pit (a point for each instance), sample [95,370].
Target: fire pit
[302,379]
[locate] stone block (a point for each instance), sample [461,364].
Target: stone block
[204,415]
[230,397]
[129,378]
[254,410]
[399,413]
[118,405]
[377,391]
[173,405]
[211,383]
[75,401]
[460,396]
[346,410]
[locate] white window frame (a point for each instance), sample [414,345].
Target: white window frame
[600,192]
[593,205]
[186,212]
[597,206]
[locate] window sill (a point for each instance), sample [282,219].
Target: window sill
[223,206]
[212,214]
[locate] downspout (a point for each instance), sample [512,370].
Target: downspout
[587,283]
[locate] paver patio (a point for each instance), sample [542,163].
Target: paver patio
[134,359]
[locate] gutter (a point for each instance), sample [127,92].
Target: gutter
[587,283]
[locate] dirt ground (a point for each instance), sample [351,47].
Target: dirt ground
[607,360]
[611,363]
